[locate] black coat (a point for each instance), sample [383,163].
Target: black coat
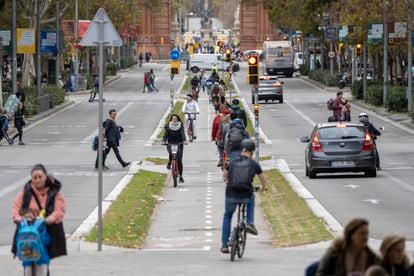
[18,118]
[174,136]
[111,130]
[58,245]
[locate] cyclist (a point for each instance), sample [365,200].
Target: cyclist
[374,132]
[239,189]
[190,107]
[239,111]
[174,134]
[195,82]
[214,69]
[234,137]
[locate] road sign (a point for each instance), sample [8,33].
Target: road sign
[375,33]
[343,33]
[331,54]
[48,43]
[26,39]
[175,54]
[111,36]
[331,33]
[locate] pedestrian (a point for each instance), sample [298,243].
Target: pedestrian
[147,82]
[112,135]
[152,80]
[141,59]
[239,177]
[174,134]
[374,132]
[19,123]
[337,106]
[394,259]
[43,197]
[150,56]
[203,79]
[346,110]
[95,88]
[350,254]
[20,94]
[4,125]
[147,57]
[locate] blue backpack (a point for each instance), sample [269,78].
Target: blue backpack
[30,241]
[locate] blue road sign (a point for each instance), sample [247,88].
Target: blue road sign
[175,54]
[196,39]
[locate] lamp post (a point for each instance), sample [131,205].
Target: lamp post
[76,44]
[57,67]
[14,56]
[385,75]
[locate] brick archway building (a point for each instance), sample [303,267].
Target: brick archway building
[255,26]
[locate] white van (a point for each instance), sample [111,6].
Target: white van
[298,60]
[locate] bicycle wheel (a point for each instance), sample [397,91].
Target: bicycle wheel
[234,243]
[190,130]
[242,242]
[174,173]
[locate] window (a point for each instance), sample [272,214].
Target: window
[341,133]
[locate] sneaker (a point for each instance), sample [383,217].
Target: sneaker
[251,229]
[168,166]
[224,249]
[379,169]
[21,144]
[126,164]
[105,168]
[11,143]
[220,163]
[181,179]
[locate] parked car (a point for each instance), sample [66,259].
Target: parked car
[339,147]
[298,60]
[270,88]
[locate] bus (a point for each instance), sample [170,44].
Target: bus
[278,58]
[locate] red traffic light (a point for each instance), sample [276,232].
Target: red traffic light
[252,60]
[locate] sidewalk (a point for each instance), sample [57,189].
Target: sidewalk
[401,119]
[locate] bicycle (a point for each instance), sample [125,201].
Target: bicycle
[239,234]
[191,117]
[175,170]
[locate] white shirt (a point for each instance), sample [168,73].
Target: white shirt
[191,107]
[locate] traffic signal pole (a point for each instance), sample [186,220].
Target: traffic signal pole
[256,108]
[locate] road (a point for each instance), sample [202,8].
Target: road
[63,144]
[386,200]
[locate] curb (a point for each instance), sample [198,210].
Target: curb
[323,87]
[87,225]
[331,223]
[86,92]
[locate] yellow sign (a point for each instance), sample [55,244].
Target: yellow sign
[175,66]
[26,41]
[191,49]
[162,40]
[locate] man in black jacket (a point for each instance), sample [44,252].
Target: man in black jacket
[112,136]
[374,132]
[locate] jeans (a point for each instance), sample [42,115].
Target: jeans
[230,207]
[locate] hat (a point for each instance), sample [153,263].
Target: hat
[388,242]
[235,101]
[189,96]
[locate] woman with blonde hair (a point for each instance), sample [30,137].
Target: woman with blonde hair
[394,259]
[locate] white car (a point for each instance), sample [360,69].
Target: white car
[206,62]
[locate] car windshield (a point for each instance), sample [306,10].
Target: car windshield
[341,133]
[280,52]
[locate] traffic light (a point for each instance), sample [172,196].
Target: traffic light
[253,72]
[175,67]
[256,108]
[358,49]
[228,55]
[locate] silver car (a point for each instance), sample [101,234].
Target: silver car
[270,88]
[340,147]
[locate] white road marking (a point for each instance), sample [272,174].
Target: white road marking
[373,201]
[209,240]
[352,186]
[165,68]
[208,216]
[208,221]
[14,186]
[309,120]
[207,211]
[209,234]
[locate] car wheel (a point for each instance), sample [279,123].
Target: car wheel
[312,174]
[371,173]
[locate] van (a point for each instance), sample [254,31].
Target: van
[298,60]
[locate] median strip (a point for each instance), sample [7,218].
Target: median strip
[291,221]
[127,221]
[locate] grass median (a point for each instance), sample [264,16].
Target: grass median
[127,221]
[178,106]
[290,219]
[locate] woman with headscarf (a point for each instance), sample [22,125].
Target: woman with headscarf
[394,259]
[174,134]
[350,254]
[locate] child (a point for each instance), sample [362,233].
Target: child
[4,127]
[40,267]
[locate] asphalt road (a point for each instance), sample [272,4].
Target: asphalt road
[386,200]
[63,144]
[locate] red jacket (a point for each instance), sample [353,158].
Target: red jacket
[337,107]
[216,124]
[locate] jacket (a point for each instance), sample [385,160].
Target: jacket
[241,114]
[174,136]
[111,131]
[333,264]
[337,107]
[54,204]
[371,129]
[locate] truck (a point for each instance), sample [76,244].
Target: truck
[278,58]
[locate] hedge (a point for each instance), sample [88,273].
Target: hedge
[304,69]
[374,95]
[396,98]
[111,69]
[323,76]
[56,93]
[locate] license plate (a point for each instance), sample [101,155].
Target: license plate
[337,164]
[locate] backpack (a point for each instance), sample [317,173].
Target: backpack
[311,269]
[29,244]
[215,89]
[95,143]
[241,174]
[329,104]
[235,136]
